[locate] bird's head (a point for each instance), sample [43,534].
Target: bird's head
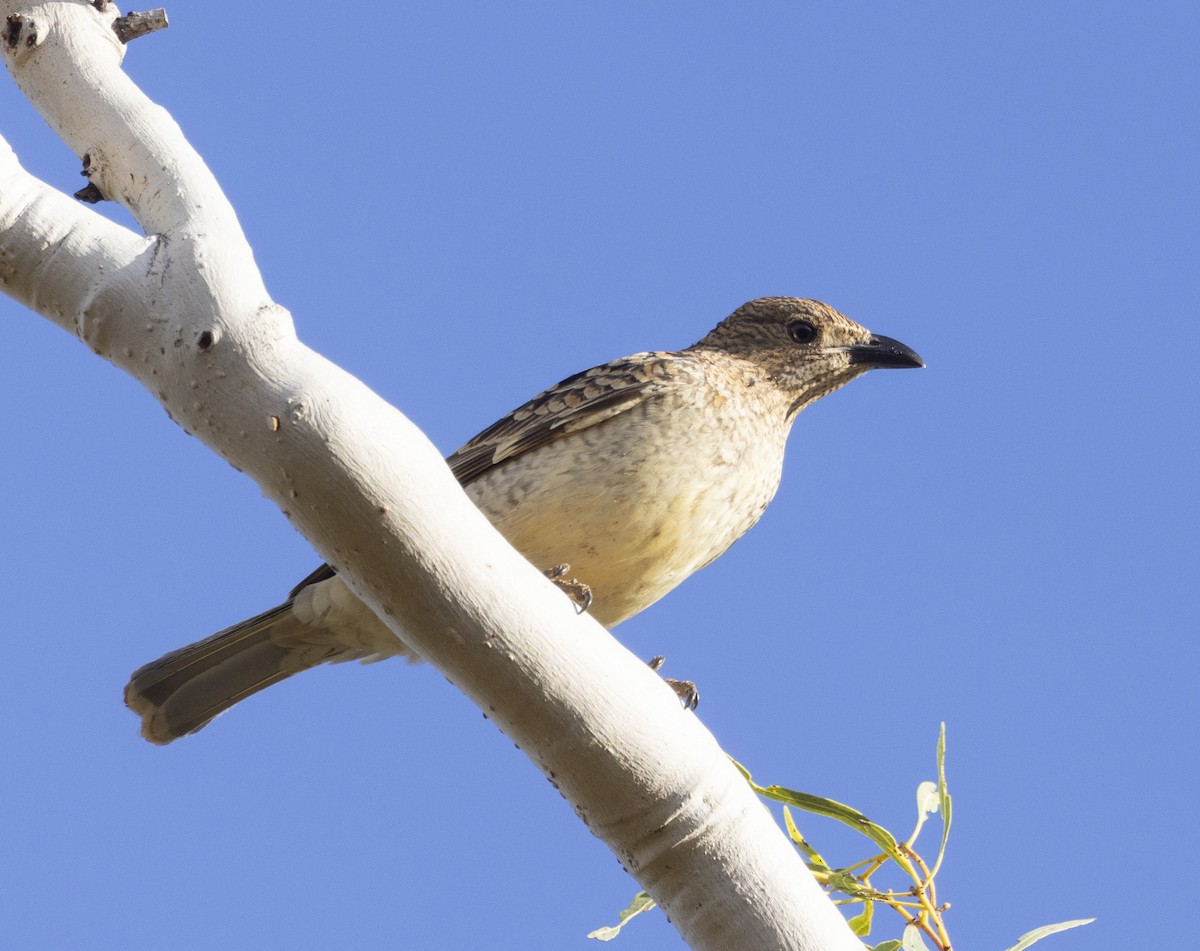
[804,347]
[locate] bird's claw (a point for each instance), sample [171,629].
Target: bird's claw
[574,589]
[687,692]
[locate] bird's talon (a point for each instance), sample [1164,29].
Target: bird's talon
[687,692]
[573,588]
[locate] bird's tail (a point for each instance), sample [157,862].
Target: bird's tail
[183,690]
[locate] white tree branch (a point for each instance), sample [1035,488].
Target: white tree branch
[185,311]
[60,259]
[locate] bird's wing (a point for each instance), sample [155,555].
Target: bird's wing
[324,573]
[578,402]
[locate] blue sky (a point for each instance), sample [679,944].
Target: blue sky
[462,205]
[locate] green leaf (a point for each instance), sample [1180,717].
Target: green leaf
[913,940]
[944,799]
[641,902]
[815,862]
[943,791]
[845,882]
[888,946]
[829,808]
[835,810]
[861,924]
[1038,933]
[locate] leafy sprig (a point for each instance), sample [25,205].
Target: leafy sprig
[917,904]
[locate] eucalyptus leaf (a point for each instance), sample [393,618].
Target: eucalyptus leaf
[861,924]
[844,882]
[828,807]
[928,799]
[928,802]
[944,799]
[943,791]
[1038,933]
[820,806]
[815,861]
[641,902]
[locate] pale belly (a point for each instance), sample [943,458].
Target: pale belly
[635,526]
[631,520]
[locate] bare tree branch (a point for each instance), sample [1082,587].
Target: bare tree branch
[133,25]
[184,310]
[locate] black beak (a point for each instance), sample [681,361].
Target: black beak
[884,352]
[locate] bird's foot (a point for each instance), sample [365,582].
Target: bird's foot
[687,692]
[574,589]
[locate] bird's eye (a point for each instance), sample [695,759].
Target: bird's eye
[801,331]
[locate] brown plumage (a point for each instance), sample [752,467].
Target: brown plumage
[637,473]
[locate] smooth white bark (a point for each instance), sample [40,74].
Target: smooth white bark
[184,310]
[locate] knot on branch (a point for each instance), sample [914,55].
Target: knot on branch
[20,33]
[90,193]
[132,25]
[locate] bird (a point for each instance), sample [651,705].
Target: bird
[635,474]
